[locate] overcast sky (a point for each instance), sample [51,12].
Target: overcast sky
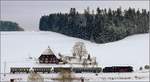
[28,13]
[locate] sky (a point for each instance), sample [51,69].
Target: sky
[27,13]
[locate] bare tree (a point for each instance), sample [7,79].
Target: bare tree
[85,63]
[94,62]
[79,50]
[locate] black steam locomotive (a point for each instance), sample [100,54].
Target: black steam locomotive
[118,69]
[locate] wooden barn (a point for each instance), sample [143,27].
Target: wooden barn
[48,57]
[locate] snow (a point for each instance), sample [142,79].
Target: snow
[48,51]
[17,47]
[87,76]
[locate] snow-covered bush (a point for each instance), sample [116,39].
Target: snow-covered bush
[147,66]
[35,77]
[141,68]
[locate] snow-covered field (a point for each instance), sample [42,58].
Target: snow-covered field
[89,77]
[16,47]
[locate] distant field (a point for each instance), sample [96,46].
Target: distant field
[17,47]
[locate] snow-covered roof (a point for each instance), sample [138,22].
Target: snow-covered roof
[48,51]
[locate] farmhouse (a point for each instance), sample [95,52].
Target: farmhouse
[48,57]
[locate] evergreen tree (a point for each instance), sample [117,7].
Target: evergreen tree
[100,27]
[9,26]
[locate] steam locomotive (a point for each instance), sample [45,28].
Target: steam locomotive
[118,69]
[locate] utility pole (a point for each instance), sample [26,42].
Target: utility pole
[4,68]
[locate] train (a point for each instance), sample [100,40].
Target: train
[113,69]
[116,69]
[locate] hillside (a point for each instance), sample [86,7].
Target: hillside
[9,26]
[18,46]
[103,26]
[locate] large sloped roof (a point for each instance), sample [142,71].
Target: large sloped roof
[48,51]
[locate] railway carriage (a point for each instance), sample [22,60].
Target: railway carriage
[87,70]
[20,70]
[42,69]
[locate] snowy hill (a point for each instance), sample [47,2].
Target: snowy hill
[18,46]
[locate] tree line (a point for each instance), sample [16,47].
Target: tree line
[9,26]
[104,25]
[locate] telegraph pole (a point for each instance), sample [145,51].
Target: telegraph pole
[4,68]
